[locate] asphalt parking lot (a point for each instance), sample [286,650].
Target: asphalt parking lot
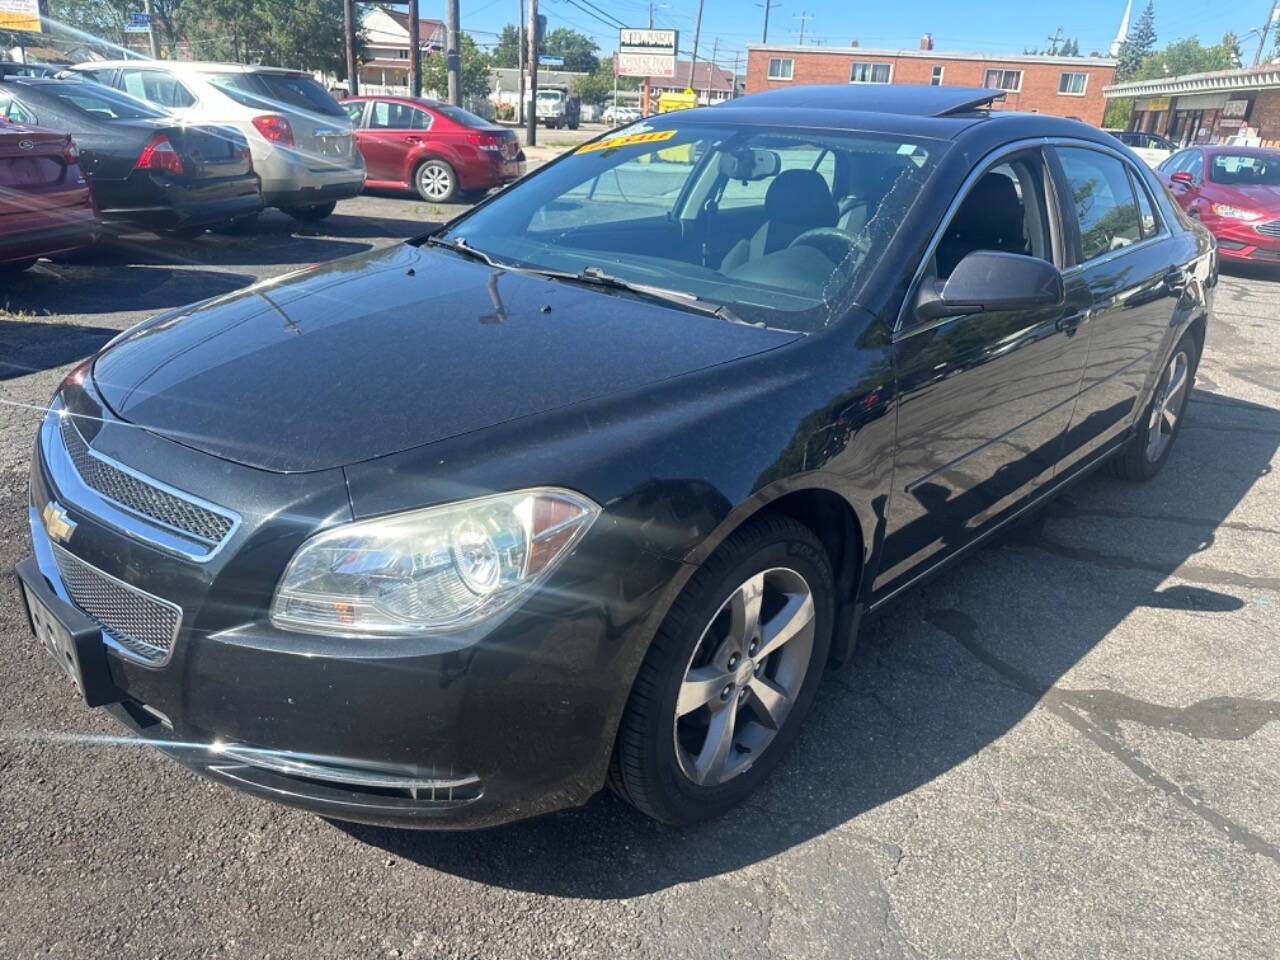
[1066,746]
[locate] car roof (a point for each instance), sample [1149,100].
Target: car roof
[187,66]
[1216,148]
[909,99]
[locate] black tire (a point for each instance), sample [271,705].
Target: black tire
[240,225]
[1141,458]
[436,181]
[311,212]
[646,770]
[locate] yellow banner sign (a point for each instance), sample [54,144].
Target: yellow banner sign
[20,15]
[653,136]
[1157,104]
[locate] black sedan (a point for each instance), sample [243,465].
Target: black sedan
[147,169]
[592,484]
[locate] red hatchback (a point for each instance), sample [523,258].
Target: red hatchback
[439,150]
[1235,192]
[46,207]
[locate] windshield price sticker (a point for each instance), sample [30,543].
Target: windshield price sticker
[654,136]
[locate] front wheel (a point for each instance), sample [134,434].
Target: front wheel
[435,181]
[1146,452]
[730,675]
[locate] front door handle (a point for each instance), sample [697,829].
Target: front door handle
[1175,279]
[1070,323]
[412,139]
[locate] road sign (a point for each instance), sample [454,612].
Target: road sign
[137,23]
[647,53]
[547,60]
[20,15]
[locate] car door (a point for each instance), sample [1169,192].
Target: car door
[158,87]
[392,131]
[984,399]
[1186,194]
[1133,267]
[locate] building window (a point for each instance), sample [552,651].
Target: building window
[869,73]
[1073,84]
[780,68]
[1010,80]
[402,54]
[935,78]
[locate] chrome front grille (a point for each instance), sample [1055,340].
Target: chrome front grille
[208,527]
[1270,229]
[141,623]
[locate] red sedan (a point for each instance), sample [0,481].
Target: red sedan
[1235,192]
[46,207]
[439,150]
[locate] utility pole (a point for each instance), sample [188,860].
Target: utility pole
[415,52]
[520,62]
[531,115]
[767,5]
[697,29]
[151,30]
[804,17]
[711,67]
[453,59]
[1054,41]
[733,90]
[1266,28]
[644,96]
[349,29]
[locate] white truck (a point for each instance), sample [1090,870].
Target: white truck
[556,108]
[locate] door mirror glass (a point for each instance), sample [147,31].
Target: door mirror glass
[987,281]
[1182,177]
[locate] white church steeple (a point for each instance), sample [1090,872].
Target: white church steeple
[1123,32]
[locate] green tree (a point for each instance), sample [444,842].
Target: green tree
[1138,45]
[304,34]
[506,52]
[1119,113]
[1183,57]
[92,19]
[1231,43]
[597,87]
[1071,48]
[475,70]
[579,50]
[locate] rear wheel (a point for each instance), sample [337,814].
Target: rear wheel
[312,212]
[435,181]
[730,675]
[1146,452]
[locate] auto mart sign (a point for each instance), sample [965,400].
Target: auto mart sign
[20,15]
[646,53]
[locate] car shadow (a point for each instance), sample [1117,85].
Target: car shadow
[936,678]
[72,289]
[28,346]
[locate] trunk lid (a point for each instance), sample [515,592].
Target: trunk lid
[33,170]
[321,128]
[391,350]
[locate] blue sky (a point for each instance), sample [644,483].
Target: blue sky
[998,26]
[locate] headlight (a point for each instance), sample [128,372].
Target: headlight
[431,570]
[1235,213]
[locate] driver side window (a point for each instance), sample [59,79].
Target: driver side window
[1006,210]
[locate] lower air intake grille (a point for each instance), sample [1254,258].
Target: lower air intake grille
[141,623]
[1271,228]
[140,496]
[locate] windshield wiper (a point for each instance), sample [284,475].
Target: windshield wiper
[461,247]
[595,277]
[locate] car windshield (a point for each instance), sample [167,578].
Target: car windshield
[102,103]
[779,225]
[1242,169]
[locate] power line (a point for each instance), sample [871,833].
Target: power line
[804,17]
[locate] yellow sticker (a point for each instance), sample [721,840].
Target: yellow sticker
[653,136]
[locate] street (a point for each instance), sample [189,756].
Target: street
[1066,745]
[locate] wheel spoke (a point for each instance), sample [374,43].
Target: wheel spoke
[1170,419]
[744,611]
[1177,380]
[788,623]
[709,766]
[769,703]
[703,685]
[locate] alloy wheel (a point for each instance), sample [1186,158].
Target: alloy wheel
[744,675]
[1167,407]
[436,182]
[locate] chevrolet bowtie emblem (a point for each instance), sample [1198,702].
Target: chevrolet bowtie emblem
[56,524]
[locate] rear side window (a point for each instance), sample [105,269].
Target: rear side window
[1146,209]
[10,109]
[156,87]
[103,104]
[465,117]
[296,90]
[387,115]
[1103,198]
[355,111]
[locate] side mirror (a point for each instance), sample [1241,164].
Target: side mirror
[987,281]
[1183,177]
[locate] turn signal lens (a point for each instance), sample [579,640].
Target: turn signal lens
[428,571]
[160,155]
[485,141]
[275,128]
[70,152]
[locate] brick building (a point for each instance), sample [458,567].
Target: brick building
[1061,86]
[1207,107]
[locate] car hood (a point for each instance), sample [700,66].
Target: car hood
[1251,196]
[393,349]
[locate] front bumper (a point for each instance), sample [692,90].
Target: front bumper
[1243,241]
[447,732]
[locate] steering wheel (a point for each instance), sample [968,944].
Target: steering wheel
[835,245]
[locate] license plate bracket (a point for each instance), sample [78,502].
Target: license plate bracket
[73,640]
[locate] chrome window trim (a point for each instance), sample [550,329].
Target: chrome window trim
[120,517]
